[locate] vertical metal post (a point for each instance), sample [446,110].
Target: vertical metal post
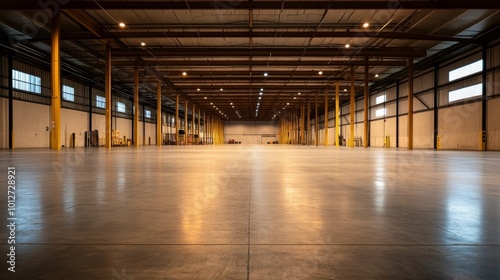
[397,114]
[308,125]
[136,106]
[337,114]
[484,103]
[410,103]
[436,107]
[177,126]
[325,141]
[159,135]
[56,81]
[11,101]
[107,93]
[352,109]
[316,121]
[365,110]
[185,121]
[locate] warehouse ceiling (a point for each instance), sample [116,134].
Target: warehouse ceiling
[249,60]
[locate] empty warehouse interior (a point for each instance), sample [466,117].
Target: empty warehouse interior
[250,139]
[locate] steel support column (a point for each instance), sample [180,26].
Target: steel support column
[11,102]
[410,103]
[56,81]
[177,120]
[352,110]
[136,107]
[316,122]
[325,141]
[107,93]
[159,135]
[365,107]
[337,114]
[186,122]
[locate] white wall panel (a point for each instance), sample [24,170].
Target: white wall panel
[30,123]
[4,123]
[73,121]
[493,126]
[459,126]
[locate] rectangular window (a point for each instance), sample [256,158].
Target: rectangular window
[147,114]
[68,93]
[26,82]
[464,93]
[120,107]
[380,99]
[466,70]
[100,101]
[380,112]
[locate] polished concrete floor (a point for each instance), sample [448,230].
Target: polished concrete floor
[253,212]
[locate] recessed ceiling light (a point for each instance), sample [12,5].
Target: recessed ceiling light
[320,72]
[376,75]
[198,89]
[345,90]
[347,46]
[265,74]
[205,97]
[299,93]
[143,44]
[260,93]
[231,103]
[211,103]
[221,89]
[184,73]
[261,89]
[121,24]
[366,24]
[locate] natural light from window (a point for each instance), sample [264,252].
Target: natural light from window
[464,93]
[380,99]
[120,107]
[380,112]
[100,101]
[466,70]
[27,82]
[68,93]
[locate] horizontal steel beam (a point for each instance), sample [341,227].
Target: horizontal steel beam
[257,5]
[273,34]
[270,52]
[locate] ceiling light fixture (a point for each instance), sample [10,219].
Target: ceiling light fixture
[198,89]
[184,73]
[121,24]
[376,75]
[143,44]
[320,72]
[299,93]
[221,89]
[265,74]
[366,25]
[347,46]
[205,97]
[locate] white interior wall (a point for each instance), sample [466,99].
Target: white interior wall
[4,123]
[248,132]
[459,126]
[99,123]
[73,121]
[30,125]
[423,130]
[493,125]
[150,133]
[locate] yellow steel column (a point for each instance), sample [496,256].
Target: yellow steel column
[308,126]
[159,135]
[316,122]
[410,103]
[193,131]
[136,107]
[107,93]
[177,120]
[56,82]
[326,118]
[186,122]
[302,124]
[205,127]
[352,109]
[199,125]
[337,114]
[365,112]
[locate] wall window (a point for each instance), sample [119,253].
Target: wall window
[380,112]
[380,99]
[147,114]
[120,107]
[466,70]
[100,101]
[26,82]
[464,93]
[68,93]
